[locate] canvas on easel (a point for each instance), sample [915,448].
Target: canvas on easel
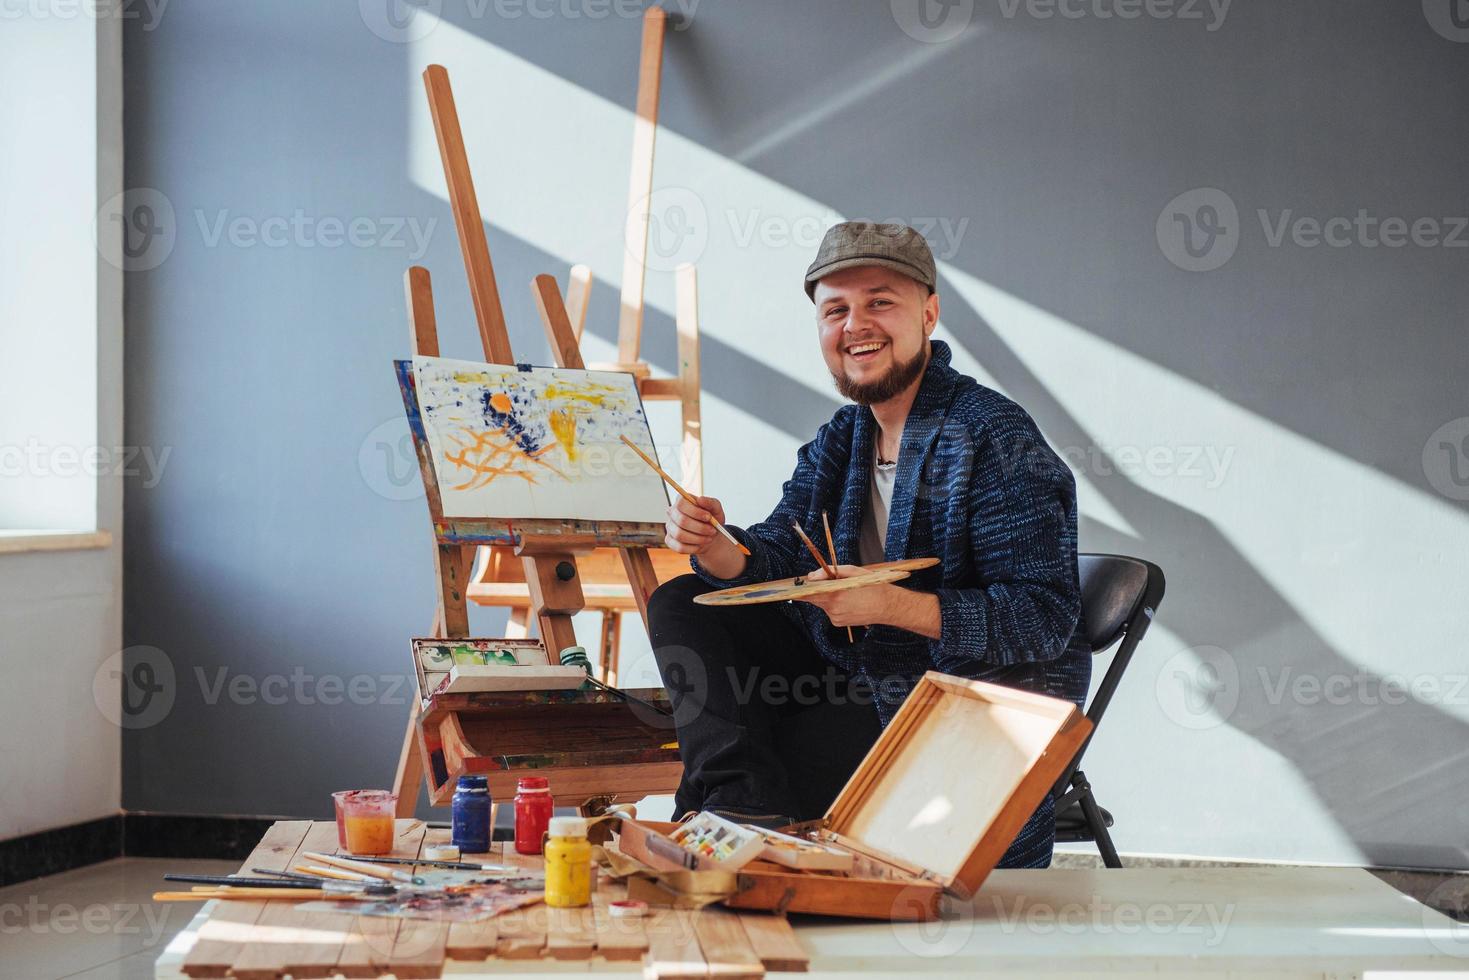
[520,442]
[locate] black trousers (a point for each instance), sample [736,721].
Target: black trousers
[765,724]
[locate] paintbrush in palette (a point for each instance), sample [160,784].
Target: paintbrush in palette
[832,549]
[831,570]
[684,494]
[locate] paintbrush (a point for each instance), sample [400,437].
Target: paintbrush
[811,547]
[334,873]
[251,894]
[456,865]
[361,867]
[234,881]
[685,494]
[832,548]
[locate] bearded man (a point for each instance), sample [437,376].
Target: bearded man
[775,706]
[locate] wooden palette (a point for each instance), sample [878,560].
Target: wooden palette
[781,590]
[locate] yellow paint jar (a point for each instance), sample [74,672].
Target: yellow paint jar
[568,864]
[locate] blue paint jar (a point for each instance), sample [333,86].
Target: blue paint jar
[471,815]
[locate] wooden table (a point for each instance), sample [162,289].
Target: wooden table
[1287,922]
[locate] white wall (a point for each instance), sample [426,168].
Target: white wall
[60,612]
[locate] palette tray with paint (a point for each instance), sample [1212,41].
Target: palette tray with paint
[467,666]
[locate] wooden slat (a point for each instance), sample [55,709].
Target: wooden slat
[686,283]
[465,206]
[640,185]
[422,324]
[618,938]
[673,947]
[725,946]
[472,940]
[285,940]
[522,933]
[219,942]
[368,949]
[368,946]
[775,942]
[559,331]
[419,949]
[571,934]
[578,298]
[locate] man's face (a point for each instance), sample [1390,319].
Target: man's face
[874,325]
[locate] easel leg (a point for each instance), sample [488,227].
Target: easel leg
[410,767]
[517,627]
[611,639]
[641,577]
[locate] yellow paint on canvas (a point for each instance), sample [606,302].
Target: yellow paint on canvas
[589,392]
[563,424]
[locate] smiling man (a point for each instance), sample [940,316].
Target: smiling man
[775,704]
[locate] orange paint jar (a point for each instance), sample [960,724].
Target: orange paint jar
[367,821]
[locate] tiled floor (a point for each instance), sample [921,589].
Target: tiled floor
[97,923]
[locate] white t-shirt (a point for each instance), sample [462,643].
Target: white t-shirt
[874,536]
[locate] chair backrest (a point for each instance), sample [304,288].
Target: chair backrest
[1111,587]
[1119,595]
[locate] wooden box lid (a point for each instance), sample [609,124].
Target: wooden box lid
[955,775]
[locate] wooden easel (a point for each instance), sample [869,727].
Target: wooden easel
[548,551]
[498,581]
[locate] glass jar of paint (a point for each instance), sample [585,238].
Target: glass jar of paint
[568,864]
[470,810]
[533,811]
[366,825]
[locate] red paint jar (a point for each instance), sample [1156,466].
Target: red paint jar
[533,809]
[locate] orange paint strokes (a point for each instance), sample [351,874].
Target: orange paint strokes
[500,402]
[482,457]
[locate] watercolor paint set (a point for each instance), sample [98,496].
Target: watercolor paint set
[723,843]
[466,666]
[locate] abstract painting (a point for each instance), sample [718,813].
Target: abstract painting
[524,442]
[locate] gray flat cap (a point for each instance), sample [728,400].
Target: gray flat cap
[854,243]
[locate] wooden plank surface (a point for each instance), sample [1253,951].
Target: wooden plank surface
[775,942]
[220,940]
[617,938]
[673,946]
[571,934]
[472,940]
[725,945]
[285,940]
[367,951]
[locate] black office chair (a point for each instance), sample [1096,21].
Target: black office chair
[1119,596]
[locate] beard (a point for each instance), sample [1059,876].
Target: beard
[897,379]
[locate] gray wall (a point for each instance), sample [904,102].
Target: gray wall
[1267,430]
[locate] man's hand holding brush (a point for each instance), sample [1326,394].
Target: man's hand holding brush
[689,532]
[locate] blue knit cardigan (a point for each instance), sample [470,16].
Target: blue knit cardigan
[978,487]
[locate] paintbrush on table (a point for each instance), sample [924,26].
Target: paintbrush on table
[453,865]
[375,889]
[362,868]
[685,494]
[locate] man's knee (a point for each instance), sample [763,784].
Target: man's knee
[675,596]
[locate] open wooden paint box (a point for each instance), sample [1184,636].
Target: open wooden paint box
[932,808]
